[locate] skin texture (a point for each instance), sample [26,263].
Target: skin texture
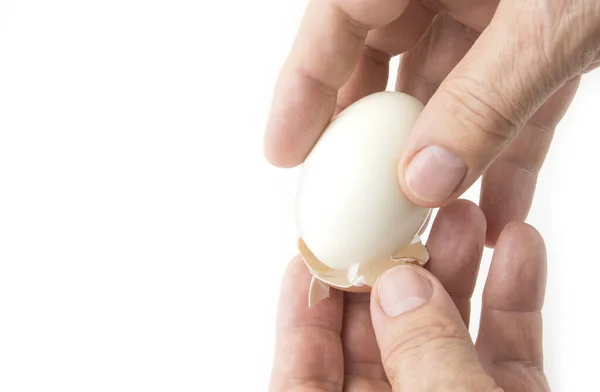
[348,343]
[496,78]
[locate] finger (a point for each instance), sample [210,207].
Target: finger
[369,76]
[362,358]
[424,343]
[510,333]
[308,353]
[426,65]
[404,32]
[327,48]
[478,110]
[372,70]
[509,183]
[455,247]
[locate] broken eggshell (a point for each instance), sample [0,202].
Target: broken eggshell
[360,278]
[353,220]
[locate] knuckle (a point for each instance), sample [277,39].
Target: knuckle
[413,341]
[478,109]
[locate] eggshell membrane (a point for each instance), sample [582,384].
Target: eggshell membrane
[349,206]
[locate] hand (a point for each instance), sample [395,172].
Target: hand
[497,76]
[413,335]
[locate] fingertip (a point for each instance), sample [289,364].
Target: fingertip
[283,146]
[522,235]
[300,111]
[456,238]
[296,269]
[464,210]
[279,154]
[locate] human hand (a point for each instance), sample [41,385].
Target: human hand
[497,75]
[424,341]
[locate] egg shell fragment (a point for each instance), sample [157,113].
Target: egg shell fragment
[367,273]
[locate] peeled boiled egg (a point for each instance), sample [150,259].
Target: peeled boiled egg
[350,210]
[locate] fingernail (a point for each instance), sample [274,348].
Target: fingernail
[402,289]
[434,173]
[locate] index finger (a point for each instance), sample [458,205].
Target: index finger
[327,48]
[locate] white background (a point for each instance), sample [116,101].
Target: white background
[142,234]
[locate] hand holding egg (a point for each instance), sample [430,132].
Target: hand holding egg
[496,77]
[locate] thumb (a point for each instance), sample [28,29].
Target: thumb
[481,106]
[424,343]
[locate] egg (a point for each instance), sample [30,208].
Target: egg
[349,208]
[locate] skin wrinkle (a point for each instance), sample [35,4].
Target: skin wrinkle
[564,33]
[410,343]
[327,89]
[473,371]
[529,81]
[518,165]
[378,57]
[517,339]
[528,150]
[527,372]
[465,100]
[537,33]
[358,30]
[413,355]
[522,380]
